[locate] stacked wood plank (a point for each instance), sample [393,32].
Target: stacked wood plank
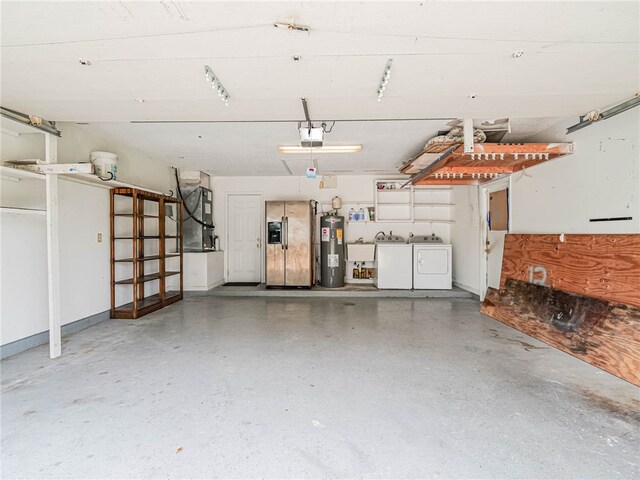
[578,293]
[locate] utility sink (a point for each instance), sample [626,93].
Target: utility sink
[361,252]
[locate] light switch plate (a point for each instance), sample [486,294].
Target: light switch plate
[99,238]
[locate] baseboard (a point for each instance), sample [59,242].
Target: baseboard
[194,288]
[42,338]
[202,288]
[475,291]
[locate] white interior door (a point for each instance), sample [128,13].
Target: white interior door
[492,242]
[244,238]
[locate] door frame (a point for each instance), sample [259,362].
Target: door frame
[226,228]
[485,190]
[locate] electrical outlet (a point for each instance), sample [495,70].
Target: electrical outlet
[99,238]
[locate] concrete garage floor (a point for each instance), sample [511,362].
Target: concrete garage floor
[346,387]
[349,290]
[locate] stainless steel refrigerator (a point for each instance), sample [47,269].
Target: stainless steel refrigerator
[289,247]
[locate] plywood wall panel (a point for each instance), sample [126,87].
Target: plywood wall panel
[606,267]
[602,333]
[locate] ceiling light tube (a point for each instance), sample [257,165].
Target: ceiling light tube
[288,149]
[386,75]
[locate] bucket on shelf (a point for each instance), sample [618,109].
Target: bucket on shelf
[105,164]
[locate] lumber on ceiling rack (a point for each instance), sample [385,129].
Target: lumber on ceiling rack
[449,164]
[146,252]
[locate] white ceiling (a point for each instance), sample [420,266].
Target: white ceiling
[252,148]
[577,56]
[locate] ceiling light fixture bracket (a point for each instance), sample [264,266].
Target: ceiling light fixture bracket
[216,84]
[386,76]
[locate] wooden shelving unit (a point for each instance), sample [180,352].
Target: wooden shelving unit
[146,251]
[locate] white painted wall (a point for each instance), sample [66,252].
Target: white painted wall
[601,179]
[465,238]
[23,276]
[84,263]
[133,166]
[84,212]
[23,241]
[350,188]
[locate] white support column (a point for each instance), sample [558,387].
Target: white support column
[53,248]
[468,135]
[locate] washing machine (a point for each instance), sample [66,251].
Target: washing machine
[393,259]
[432,263]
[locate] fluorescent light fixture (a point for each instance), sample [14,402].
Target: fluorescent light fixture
[216,84]
[325,149]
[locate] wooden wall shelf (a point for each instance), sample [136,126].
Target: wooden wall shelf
[146,210]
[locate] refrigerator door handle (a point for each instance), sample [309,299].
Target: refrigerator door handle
[286,234]
[283,234]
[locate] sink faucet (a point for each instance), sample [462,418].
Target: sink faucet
[380,232]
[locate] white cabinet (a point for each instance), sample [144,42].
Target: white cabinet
[203,270]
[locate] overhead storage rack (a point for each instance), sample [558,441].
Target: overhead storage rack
[449,164]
